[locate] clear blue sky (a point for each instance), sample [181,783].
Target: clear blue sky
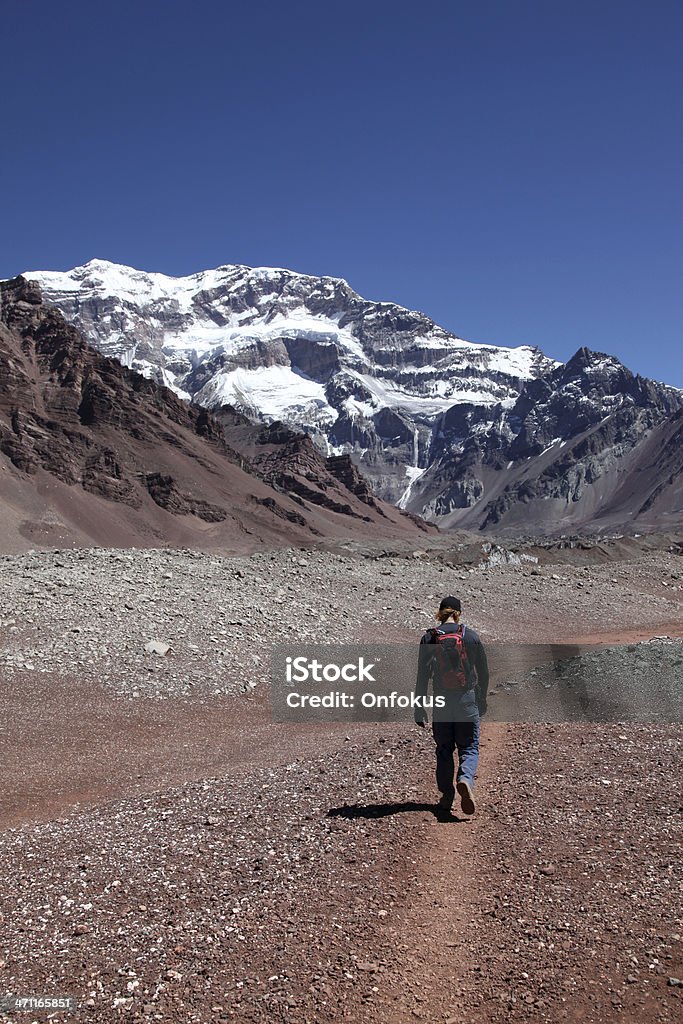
[512,168]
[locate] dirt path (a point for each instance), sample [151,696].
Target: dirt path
[435,923]
[672,628]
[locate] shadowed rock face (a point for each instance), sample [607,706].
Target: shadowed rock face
[57,392]
[589,445]
[291,464]
[102,454]
[468,435]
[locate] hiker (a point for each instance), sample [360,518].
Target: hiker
[453,657]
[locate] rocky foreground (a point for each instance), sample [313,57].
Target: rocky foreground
[92,613]
[168,853]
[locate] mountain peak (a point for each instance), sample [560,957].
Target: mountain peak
[585,356]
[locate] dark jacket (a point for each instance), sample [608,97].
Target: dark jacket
[465,704]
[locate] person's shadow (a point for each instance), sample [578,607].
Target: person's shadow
[384,810]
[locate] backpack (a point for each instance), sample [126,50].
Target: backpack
[454,668]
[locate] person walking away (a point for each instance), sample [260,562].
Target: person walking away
[453,659]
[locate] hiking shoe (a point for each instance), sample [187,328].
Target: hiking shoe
[445,803]
[466,796]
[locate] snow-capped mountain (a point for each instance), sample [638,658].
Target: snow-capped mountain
[359,376]
[440,426]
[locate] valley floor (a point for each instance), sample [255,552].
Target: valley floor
[169,853]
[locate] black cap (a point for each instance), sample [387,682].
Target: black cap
[451,602]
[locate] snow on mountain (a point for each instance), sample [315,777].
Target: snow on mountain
[237,320]
[428,417]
